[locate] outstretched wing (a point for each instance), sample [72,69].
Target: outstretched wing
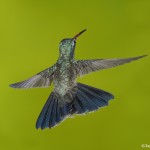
[42,79]
[86,66]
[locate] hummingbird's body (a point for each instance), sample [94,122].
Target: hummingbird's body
[68,96]
[64,77]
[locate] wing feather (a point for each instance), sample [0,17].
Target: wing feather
[42,79]
[87,66]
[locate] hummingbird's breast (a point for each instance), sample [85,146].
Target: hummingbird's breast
[64,77]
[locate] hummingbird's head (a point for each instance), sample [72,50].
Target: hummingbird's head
[67,46]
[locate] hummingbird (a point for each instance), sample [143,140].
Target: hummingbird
[70,97]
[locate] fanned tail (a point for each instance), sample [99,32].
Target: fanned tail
[84,100]
[89,99]
[52,112]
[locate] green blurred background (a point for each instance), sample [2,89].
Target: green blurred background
[30,32]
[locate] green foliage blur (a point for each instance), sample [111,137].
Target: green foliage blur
[30,32]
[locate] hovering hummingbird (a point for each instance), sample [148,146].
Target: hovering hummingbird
[68,96]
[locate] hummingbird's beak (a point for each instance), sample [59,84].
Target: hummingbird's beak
[76,36]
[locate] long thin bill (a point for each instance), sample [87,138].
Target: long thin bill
[76,36]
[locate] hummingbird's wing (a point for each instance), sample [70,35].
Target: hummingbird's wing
[86,66]
[42,79]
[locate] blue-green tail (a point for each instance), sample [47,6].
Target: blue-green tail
[84,100]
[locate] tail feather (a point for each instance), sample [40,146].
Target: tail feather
[43,113]
[89,98]
[103,94]
[84,100]
[48,115]
[78,106]
[52,112]
[100,102]
[58,114]
[53,121]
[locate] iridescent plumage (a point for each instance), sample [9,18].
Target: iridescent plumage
[68,96]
